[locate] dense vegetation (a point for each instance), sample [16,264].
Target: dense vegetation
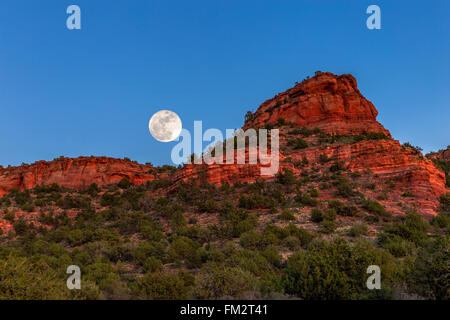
[444,165]
[309,235]
[260,240]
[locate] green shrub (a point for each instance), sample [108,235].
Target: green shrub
[337,166]
[444,165]
[5,201]
[240,221]
[291,242]
[248,116]
[182,248]
[287,215]
[177,220]
[306,200]
[413,228]
[335,270]
[77,237]
[302,130]
[330,214]
[255,201]
[208,206]
[218,281]
[42,189]
[110,199]
[358,230]
[316,215]
[416,149]
[327,226]
[20,227]
[442,220]
[269,238]
[281,121]
[397,246]
[273,256]
[161,286]
[314,193]
[303,235]
[344,187]
[10,216]
[197,258]
[323,158]
[430,274]
[286,177]
[22,279]
[408,194]
[297,143]
[445,203]
[371,219]
[124,183]
[21,198]
[374,207]
[342,209]
[93,190]
[28,207]
[251,240]
[370,136]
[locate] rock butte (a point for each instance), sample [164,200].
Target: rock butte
[329,102]
[440,155]
[73,173]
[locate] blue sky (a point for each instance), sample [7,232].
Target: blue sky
[92,91]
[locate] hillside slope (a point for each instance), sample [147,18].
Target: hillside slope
[327,111]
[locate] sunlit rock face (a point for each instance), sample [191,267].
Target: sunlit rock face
[334,105]
[73,173]
[329,102]
[443,155]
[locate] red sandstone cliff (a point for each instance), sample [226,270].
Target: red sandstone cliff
[73,173]
[335,106]
[443,155]
[328,102]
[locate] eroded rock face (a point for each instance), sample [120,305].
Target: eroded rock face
[382,161]
[73,173]
[328,102]
[221,173]
[443,155]
[335,106]
[387,160]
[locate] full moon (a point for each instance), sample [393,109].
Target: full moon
[165,126]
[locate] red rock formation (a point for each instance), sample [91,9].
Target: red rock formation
[440,155]
[220,173]
[5,226]
[334,105]
[329,102]
[73,173]
[388,160]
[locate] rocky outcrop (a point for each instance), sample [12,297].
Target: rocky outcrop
[328,102]
[387,160]
[335,106]
[221,173]
[443,155]
[384,161]
[73,173]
